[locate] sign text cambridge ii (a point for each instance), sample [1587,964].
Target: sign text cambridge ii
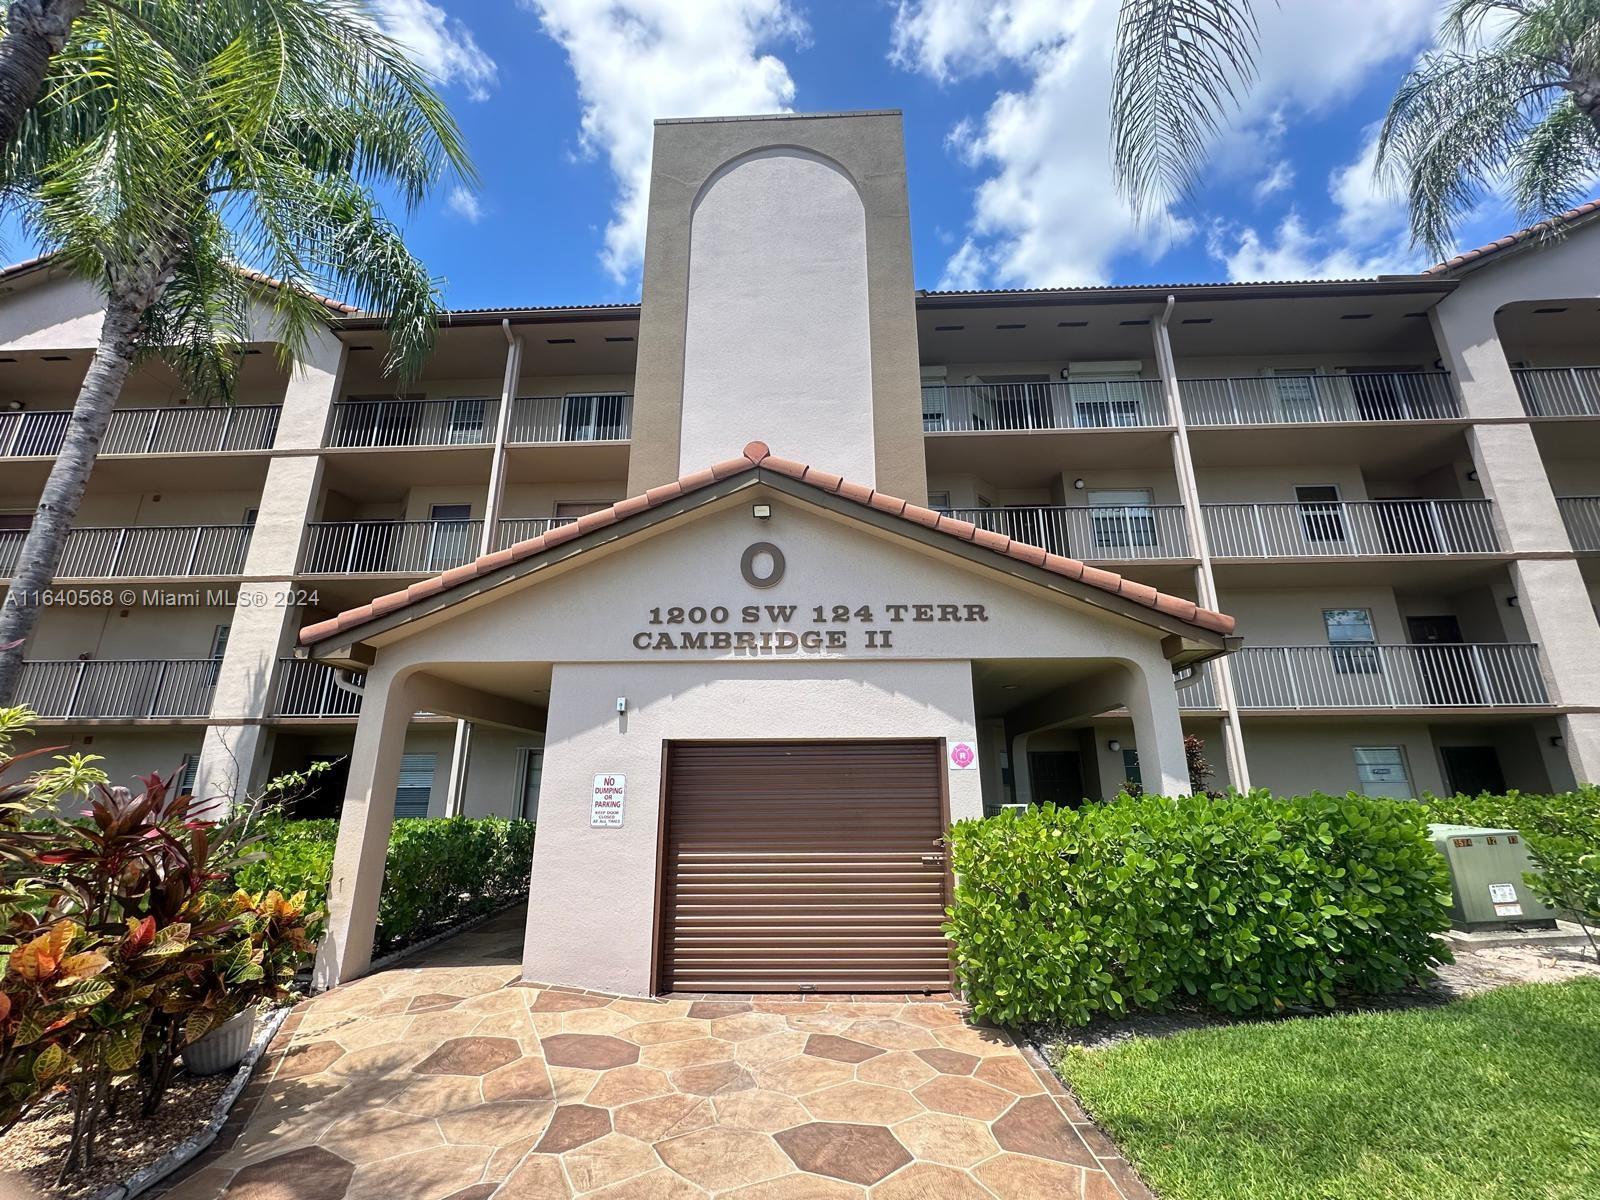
[787,628]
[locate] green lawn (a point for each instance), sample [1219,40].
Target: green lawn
[1493,1098]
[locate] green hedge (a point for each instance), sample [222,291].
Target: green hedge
[1562,833]
[1242,903]
[439,872]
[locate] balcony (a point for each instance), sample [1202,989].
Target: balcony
[1374,676]
[307,689]
[1319,399]
[1558,391]
[154,551]
[189,430]
[1102,404]
[1362,529]
[407,547]
[126,689]
[473,421]
[1094,534]
[1581,516]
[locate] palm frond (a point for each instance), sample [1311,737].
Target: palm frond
[1452,128]
[1552,169]
[1179,67]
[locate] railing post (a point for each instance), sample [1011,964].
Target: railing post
[77,690]
[155,692]
[227,429]
[1475,656]
[1388,676]
[1439,537]
[194,549]
[1294,680]
[150,437]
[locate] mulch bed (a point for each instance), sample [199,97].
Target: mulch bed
[35,1146]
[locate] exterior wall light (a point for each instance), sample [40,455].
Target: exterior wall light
[1513,601]
[761,512]
[1558,741]
[1077,485]
[1114,745]
[1472,476]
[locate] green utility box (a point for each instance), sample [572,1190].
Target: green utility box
[1486,878]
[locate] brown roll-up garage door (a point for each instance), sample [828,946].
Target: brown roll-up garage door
[792,866]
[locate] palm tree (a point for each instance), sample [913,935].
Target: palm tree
[177,140]
[1512,97]
[34,31]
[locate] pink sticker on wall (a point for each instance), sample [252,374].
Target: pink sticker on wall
[962,756]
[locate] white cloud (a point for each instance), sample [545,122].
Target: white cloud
[1048,211]
[1279,179]
[442,45]
[465,205]
[637,60]
[1368,235]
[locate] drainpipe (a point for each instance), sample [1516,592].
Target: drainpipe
[1205,577]
[461,748]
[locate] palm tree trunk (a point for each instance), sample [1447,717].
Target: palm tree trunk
[35,30]
[69,476]
[1586,95]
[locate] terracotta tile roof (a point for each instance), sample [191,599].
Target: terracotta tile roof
[1542,229]
[758,456]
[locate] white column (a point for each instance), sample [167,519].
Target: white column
[1158,733]
[364,825]
[1551,593]
[234,753]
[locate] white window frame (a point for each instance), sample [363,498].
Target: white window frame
[527,756]
[1405,767]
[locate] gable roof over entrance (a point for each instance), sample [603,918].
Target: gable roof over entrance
[1105,588]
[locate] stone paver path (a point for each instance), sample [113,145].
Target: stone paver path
[451,1080]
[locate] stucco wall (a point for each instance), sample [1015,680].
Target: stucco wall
[776,339]
[591,915]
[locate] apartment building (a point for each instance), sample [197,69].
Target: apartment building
[1391,487]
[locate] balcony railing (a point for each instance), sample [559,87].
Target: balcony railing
[1581,515]
[395,547]
[600,417]
[472,420]
[307,689]
[198,430]
[1297,399]
[1559,391]
[149,550]
[1110,533]
[1440,675]
[408,547]
[131,689]
[1201,693]
[1369,527]
[519,529]
[1099,404]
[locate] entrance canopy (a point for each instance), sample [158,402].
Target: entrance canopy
[759,603]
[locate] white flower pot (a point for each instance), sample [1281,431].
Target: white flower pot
[223,1048]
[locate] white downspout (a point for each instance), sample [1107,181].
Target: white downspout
[461,748]
[1205,578]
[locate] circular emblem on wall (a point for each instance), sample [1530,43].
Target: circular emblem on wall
[962,756]
[751,563]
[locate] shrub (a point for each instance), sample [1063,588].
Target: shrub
[438,872]
[1240,902]
[1562,833]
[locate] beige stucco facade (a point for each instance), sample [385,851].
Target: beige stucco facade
[1393,485]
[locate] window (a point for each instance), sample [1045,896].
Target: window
[592,418]
[527,800]
[1321,513]
[187,773]
[1107,401]
[416,785]
[571,510]
[1297,393]
[1381,771]
[467,421]
[939,501]
[1351,637]
[219,647]
[1122,517]
[450,538]
[250,515]
[1130,768]
[935,406]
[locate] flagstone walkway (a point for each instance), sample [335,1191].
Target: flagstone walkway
[449,1079]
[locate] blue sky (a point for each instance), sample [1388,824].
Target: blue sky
[1004,104]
